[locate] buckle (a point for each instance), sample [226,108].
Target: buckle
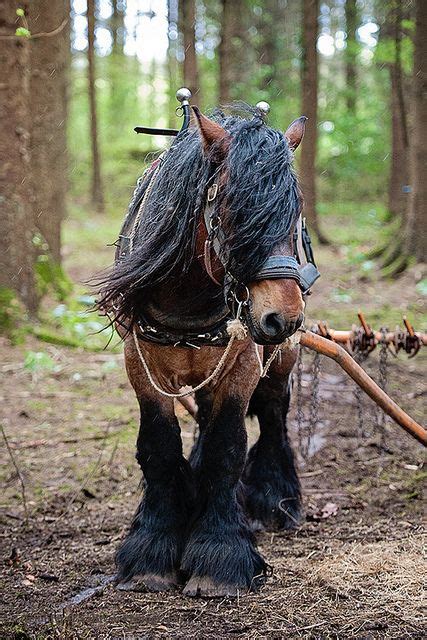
[212,192]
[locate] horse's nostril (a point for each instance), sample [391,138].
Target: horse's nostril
[272,324]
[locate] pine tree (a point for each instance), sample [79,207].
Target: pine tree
[17,255]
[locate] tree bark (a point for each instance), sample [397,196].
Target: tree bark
[416,235]
[172,61]
[231,49]
[309,109]
[191,71]
[96,187]
[351,54]
[48,100]
[399,172]
[17,255]
[272,23]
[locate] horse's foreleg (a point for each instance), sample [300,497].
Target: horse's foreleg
[150,555]
[220,557]
[270,482]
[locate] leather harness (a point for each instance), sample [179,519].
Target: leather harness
[299,267]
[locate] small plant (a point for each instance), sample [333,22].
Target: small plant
[49,274]
[38,362]
[22,31]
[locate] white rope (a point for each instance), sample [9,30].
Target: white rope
[289,343]
[270,360]
[258,356]
[141,207]
[236,331]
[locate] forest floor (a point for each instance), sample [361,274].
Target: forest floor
[353,568]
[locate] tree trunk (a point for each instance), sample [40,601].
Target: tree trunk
[397,200]
[172,61]
[48,100]
[191,72]
[96,190]
[309,109]
[17,253]
[416,238]
[231,50]
[351,54]
[271,24]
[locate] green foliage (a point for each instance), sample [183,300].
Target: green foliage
[38,361]
[74,325]
[421,287]
[49,275]
[22,32]
[11,315]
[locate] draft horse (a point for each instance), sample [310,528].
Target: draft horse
[209,237]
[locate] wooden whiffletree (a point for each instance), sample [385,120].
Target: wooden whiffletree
[335,351]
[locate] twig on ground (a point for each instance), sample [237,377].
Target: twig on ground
[41,34]
[18,471]
[32,444]
[83,484]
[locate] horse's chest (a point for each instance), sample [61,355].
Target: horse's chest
[180,367]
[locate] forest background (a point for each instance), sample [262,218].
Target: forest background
[79,76]
[75,79]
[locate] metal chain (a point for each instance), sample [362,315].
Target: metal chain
[300,411]
[307,428]
[314,408]
[359,357]
[382,380]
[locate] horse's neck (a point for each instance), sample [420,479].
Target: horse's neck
[189,302]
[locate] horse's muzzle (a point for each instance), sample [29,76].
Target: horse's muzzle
[273,328]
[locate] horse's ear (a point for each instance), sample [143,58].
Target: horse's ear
[212,133]
[295,132]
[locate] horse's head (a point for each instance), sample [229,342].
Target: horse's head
[251,211]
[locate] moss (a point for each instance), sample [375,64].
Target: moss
[12,315]
[51,277]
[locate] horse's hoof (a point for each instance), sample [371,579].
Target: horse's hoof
[206,588]
[149,582]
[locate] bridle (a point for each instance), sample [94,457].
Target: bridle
[300,266]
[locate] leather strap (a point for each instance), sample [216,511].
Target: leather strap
[276,267]
[300,267]
[156,132]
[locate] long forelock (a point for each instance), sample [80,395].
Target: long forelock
[261,197]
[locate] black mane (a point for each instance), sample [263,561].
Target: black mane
[262,203]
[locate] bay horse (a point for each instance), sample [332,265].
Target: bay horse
[208,241]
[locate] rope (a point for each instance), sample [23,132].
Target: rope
[258,355]
[141,206]
[289,343]
[235,329]
[270,360]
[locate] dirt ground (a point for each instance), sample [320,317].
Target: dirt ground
[353,569]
